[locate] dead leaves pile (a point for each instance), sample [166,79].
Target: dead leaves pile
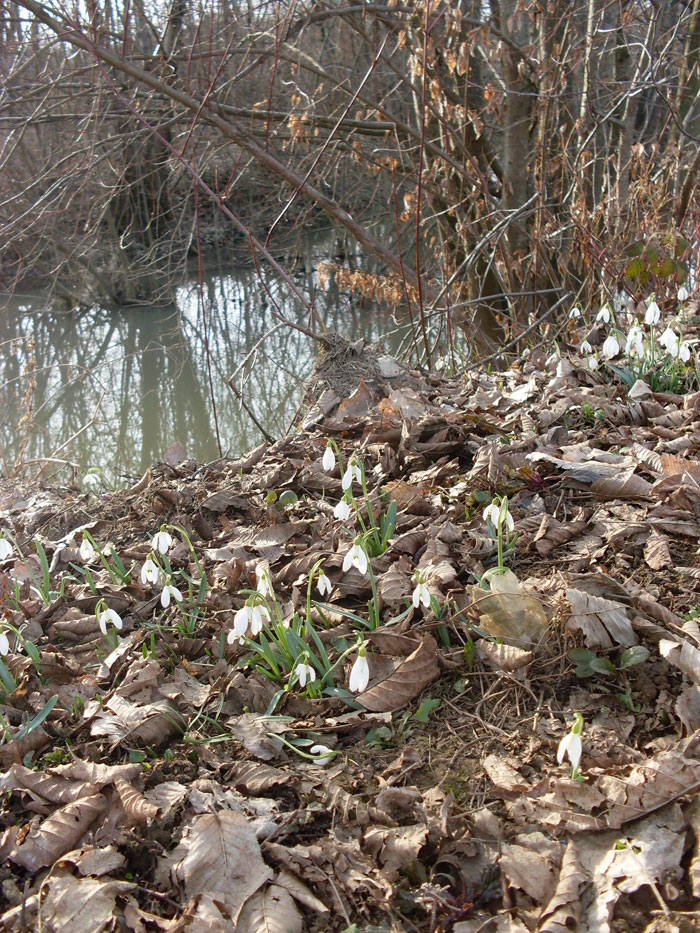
[157,795]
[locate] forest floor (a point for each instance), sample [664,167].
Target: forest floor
[164,776]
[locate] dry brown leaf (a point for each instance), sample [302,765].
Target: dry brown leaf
[683,655]
[410,677]
[395,848]
[81,905]
[300,892]
[254,732]
[255,778]
[137,808]
[532,864]
[271,910]
[150,723]
[563,912]
[604,622]
[503,657]
[218,856]
[43,784]
[504,775]
[510,612]
[656,552]
[59,833]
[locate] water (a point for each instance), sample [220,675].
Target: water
[114,389]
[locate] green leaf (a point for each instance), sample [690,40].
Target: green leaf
[667,268]
[631,656]
[38,719]
[634,249]
[8,681]
[422,714]
[289,497]
[602,666]
[635,268]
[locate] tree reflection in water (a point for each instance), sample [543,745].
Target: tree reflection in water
[114,389]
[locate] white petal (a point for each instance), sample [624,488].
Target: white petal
[342,510]
[348,561]
[416,596]
[5,549]
[682,293]
[359,675]
[653,314]
[4,644]
[346,481]
[328,462]
[611,347]
[323,584]
[361,560]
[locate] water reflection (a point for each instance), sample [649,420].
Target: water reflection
[114,389]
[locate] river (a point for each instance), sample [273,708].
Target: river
[114,389]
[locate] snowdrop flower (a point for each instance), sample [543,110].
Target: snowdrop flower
[592,362]
[92,481]
[684,352]
[653,314]
[323,584]
[169,591]
[585,347]
[575,313]
[324,753]
[259,616]
[5,549]
[669,339]
[342,510]
[107,616]
[611,347]
[353,472]
[359,673]
[241,621]
[603,315]
[682,293]
[572,747]
[355,557]
[264,583]
[305,673]
[162,541]
[149,572]
[421,593]
[87,551]
[328,462]
[492,513]
[635,340]
[4,644]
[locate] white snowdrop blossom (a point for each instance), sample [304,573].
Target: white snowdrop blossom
[323,584]
[684,352]
[107,616]
[603,315]
[611,347]
[575,313]
[352,472]
[572,747]
[4,644]
[162,541]
[635,340]
[87,551]
[682,293]
[653,314]
[323,752]
[264,583]
[669,339]
[492,513]
[421,593]
[241,621]
[259,617]
[342,510]
[359,673]
[305,673]
[355,557]
[92,481]
[328,462]
[5,549]
[592,363]
[585,347]
[149,572]
[169,592]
